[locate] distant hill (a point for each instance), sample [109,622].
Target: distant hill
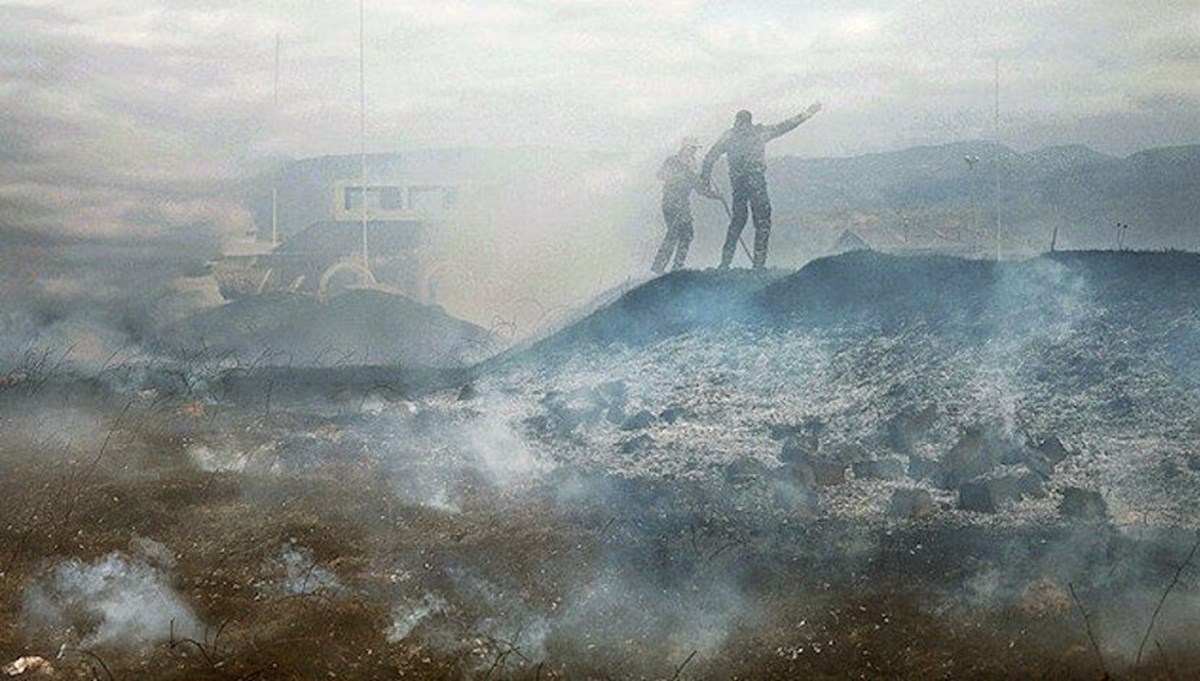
[931,198]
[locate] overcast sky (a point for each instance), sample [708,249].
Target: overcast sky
[128,115]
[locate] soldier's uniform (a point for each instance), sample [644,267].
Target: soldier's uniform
[745,147]
[679,178]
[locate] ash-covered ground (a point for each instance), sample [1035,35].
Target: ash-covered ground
[874,467]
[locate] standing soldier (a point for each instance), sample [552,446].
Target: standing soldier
[679,178]
[745,145]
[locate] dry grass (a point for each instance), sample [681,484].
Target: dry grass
[816,615]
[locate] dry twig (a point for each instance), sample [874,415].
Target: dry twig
[1087,623]
[1161,601]
[679,669]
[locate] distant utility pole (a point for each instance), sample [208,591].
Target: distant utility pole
[996,129]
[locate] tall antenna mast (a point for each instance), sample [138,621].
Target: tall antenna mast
[275,186]
[362,127]
[996,122]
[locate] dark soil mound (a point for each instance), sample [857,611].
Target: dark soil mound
[671,304]
[870,286]
[865,286]
[891,291]
[360,327]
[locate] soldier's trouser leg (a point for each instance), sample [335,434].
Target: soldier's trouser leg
[760,206]
[737,222]
[667,247]
[684,239]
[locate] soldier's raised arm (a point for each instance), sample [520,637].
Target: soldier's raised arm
[792,123]
[663,173]
[710,159]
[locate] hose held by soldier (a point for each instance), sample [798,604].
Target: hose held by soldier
[744,146]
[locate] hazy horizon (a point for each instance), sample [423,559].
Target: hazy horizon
[128,116]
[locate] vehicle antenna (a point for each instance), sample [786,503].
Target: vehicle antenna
[275,185]
[362,128]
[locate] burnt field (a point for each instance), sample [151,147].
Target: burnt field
[832,473]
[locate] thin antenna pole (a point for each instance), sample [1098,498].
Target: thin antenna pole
[362,126]
[996,123]
[275,187]
[276,69]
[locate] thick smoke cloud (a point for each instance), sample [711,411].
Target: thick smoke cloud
[75,302]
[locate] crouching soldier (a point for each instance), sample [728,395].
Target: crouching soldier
[679,176]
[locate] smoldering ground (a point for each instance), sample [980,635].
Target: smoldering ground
[73,302]
[710,499]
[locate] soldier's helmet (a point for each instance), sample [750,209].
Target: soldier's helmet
[743,117]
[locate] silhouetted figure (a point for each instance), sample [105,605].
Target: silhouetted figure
[745,146]
[679,178]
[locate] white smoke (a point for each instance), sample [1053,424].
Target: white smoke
[501,453]
[297,573]
[407,615]
[114,602]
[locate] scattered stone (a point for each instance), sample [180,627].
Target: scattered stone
[615,415]
[889,468]
[851,451]
[811,427]
[783,431]
[567,419]
[673,414]
[638,421]
[975,454]
[1193,462]
[828,473]
[1169,470]
[920,468]
[1050,447]
[635,445]
[990,494]
[798,449]
[34,665]
[1036,463]
[1044,453]
[904,430]
[911,503]
[1083,504]
[746,470]
[568,411]
[467,392]
[811,469]
[538,423]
